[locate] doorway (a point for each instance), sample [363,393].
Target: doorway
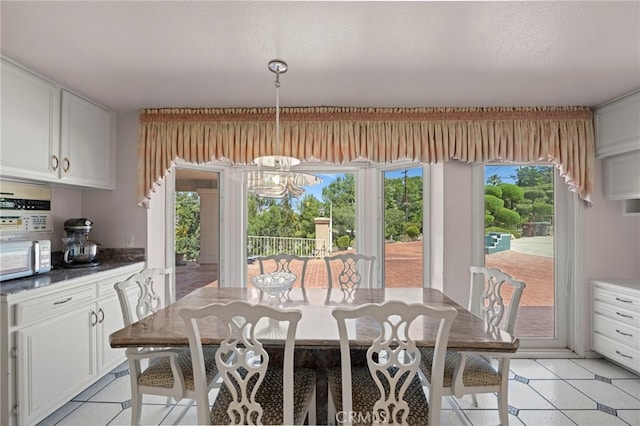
[196,229]
[525,220]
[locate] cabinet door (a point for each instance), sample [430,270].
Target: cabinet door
[622,176]
[30,125]
[617,126]
[55,362]
[109,321]
[87,143]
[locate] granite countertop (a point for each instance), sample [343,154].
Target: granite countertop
[57,275]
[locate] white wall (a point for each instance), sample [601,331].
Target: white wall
[458,234]
[115,213]
[611,240]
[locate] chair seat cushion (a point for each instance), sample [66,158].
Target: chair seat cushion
[270,397]
[158,374]
[477,371]
[365,394]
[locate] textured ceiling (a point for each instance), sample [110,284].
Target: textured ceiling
[129,55]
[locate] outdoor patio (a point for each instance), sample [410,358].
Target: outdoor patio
[403,268]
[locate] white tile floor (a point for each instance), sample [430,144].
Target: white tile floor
[541,392]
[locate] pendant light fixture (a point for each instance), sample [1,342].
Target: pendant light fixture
[273,177]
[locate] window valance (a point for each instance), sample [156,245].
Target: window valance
[562,136]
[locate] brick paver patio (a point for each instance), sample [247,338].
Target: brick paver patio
[404,269]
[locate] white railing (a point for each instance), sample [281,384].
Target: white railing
[265,246]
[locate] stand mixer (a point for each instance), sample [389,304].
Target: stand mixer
[78,250]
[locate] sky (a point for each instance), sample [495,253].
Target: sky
[327,178]
[506,173]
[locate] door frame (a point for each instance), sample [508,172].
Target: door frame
[567,261]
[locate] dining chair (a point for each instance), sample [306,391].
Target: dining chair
[260,384]
[387,388]
[169,371]
[291,263]
[350,270]
[474,373]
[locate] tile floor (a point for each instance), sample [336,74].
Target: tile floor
[541,392]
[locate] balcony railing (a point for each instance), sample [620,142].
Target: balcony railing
[265,246]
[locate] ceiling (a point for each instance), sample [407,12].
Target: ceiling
[129,55]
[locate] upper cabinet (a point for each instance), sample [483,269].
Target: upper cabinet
[86,143]
[617,126]
[51,134]
[30,125]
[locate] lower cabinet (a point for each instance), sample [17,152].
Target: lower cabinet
[615,321]
[59,344]
[55,361]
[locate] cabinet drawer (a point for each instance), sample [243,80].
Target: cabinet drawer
[627,300]
[616,351]
[622,315]
[616,330]
[51,305]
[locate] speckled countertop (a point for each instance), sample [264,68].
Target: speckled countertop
[57,275]
[109,259]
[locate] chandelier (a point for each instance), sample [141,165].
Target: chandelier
[273,177]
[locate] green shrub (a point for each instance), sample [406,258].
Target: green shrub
[533,194]
[489,220]
[507,218]
[413,232]
[343,242]
[543,209]
[492,190]
[511,194]
[492,203]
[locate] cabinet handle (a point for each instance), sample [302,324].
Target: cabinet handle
[60,302]
[56,162]
[66,164]
[94,318]
[624,315]
[621,354]
[101,315]
[624,334]
[624,300]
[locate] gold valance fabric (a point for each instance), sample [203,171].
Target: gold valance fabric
[559,135]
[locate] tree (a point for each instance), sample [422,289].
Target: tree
[534,194]
[342,194]
[492,190]
[511,194]
[493,203]
[187,229]
[494,180]
[528,176]
[507,218]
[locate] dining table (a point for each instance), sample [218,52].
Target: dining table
[317,339]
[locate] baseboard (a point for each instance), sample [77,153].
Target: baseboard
[552,353]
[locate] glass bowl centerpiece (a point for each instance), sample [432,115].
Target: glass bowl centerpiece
[274,283]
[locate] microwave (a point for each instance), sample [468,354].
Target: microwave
[24,208]
[24,258]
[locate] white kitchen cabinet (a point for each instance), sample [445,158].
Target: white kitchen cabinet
[87,135]
[617,126]
[57,339]
[30,125]
[51,134]
[615,321]
[54,363]
[621,174]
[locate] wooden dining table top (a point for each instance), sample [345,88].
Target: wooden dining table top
[317,328]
